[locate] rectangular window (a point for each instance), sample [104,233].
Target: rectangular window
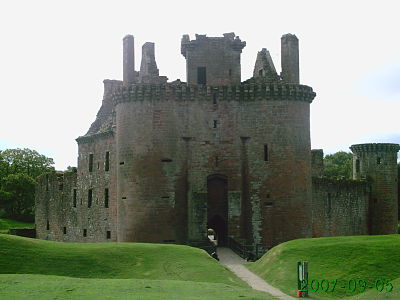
[90,197]
[201,75]
[84,232]
[266,156]
[378,160]
[48,225]
[65,230]
[108,235]
[329,200]
[106,198]
[107,162]
[74,198]
[357,165]
[215,124]
[90,162]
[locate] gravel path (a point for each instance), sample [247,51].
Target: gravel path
[235,263]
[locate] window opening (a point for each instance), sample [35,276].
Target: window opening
[90,197]
[201,75]
[107,162]
[90,162]
[106,198]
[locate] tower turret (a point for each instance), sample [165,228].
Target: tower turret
[290,58]
[212,60]
[378,163]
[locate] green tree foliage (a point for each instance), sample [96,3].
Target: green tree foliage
[25,161]
[19,169]
[338,165]
[17,196]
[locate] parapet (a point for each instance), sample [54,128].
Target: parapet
[375,147]
[243,92]
[230,38]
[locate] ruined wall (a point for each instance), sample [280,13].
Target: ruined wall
[97,217]
[62,198]
[340,207]
[170,138]
[53,206]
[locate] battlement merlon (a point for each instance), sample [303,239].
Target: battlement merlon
[187,44]
[273,91]
[375,147]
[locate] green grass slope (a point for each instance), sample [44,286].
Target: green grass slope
[373,294]
[342,258]
[6,224]
[37,269]
[28,287]
[110,260]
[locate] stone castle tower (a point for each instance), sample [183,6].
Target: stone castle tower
[378,164]
[165,161]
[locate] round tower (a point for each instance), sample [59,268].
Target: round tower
[378,164]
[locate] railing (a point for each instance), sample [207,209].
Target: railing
[248,252]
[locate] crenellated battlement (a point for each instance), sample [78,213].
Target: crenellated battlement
[245,92]
[375,147]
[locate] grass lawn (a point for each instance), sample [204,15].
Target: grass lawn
[37,269]
[6,224]
[342,258]
[44,287]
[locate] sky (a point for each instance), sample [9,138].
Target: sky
[54,56]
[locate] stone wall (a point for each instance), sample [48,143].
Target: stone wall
[378,164]
[171,138]
[62,198]
[220,56]
[317,162]
[340,207]
[54,206]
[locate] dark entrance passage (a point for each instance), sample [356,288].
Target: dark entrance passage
[217,207]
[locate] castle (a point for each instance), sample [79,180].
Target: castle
[165,161]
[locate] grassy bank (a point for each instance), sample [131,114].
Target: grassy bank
[19,286]
[37,269]
[6,224]
[342,258]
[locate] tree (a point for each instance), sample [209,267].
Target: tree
[17,196]
[19,169]
[338,165]
[26,161]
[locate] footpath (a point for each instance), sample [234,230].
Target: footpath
[236,264]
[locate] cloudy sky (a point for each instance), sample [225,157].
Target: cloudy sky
[54,56]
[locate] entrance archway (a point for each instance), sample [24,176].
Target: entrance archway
[217,207]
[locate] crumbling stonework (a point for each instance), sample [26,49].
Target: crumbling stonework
[163,161]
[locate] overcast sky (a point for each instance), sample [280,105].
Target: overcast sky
[54,56]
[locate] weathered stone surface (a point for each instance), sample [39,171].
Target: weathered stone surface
[164,161]
[378,164]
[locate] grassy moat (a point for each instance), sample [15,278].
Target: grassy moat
[38,269]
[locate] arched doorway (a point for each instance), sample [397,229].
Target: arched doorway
[217,207]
